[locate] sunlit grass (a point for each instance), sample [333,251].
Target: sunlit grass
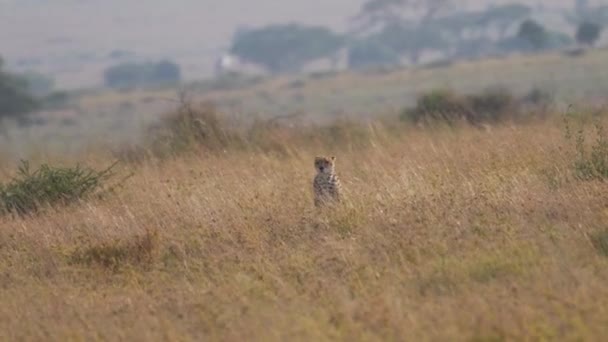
[444,234]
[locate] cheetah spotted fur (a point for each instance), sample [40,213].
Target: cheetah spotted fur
[326,184]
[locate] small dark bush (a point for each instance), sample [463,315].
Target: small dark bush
[191,127]
[491,106]
[30,190]
[437,105]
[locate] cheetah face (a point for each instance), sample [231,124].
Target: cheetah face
[324,164]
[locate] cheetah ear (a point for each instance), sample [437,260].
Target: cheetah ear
[332,158]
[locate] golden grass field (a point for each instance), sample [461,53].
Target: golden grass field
[446,234]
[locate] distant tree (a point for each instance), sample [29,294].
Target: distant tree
[285,47]
[411,41]
[15,98]
[371,53]
[402,17]
[127,75]
[504,17]
[164,72]
[374,13]
[454,26]
[55,100]
[588,33]
[378,14]
[123,75]
[38,84]
[550,40]
[534,33]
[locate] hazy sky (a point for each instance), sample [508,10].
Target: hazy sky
[150,25]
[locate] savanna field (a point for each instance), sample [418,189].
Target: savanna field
[447,232]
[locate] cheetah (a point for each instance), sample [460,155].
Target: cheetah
[326,184]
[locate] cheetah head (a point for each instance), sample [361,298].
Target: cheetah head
[325,164]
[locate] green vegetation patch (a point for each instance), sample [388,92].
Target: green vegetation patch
[30,190]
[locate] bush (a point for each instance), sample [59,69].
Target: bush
[29,191]
[442,105]
[491,106]
[190,127]
[437,105]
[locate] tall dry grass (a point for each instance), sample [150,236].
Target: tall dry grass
[445,234]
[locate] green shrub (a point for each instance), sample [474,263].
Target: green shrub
[30,190]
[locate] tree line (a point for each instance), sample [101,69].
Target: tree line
[386,32]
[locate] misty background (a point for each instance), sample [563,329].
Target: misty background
[76,72]
[72,39]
